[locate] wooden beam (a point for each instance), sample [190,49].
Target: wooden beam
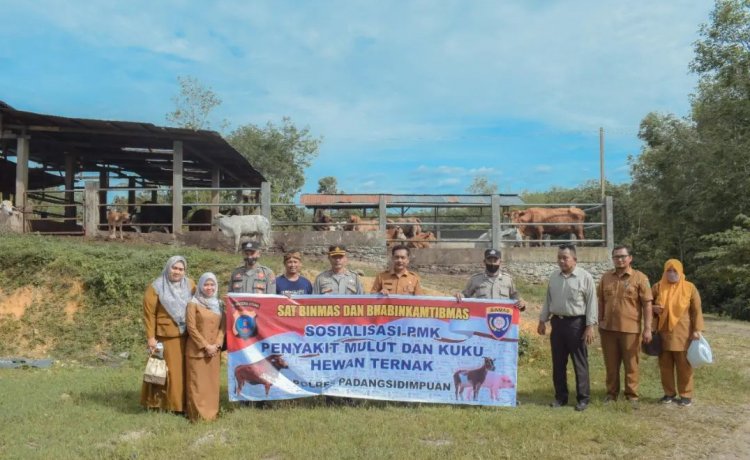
[177,188]
[70,163]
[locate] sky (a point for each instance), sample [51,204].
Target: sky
[407,96]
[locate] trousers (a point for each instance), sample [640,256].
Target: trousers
[566,340]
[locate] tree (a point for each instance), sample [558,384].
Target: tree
[328,184]
[281,153]
[481,185]
[193,104]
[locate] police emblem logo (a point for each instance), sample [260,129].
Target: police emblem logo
[245,326]
[499,320]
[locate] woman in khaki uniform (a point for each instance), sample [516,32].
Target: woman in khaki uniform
[205,326]
[164,306]
[677,305]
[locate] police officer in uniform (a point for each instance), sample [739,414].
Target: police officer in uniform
[492,283]
[252,277]
[338,280]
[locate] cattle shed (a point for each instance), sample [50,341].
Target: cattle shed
[51,151]
[430,208]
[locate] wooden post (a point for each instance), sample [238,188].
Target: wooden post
[131,196]
[215,195]
[91,209]
[495,224]
[22,171]
[382,210]
[103,184]
[610,238]
[265,200]
[70,164]
[177,188]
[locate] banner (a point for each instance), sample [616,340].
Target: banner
[400,348]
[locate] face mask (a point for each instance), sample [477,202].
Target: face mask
[251,260]
[673,277]
[492,268]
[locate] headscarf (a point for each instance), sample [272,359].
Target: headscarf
[674,297]
[200,298]
[174,296]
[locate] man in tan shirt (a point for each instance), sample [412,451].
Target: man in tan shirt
[624,304]
[398,280]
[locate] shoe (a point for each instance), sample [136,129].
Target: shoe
[685,402]
[666,399]
[555,404]
[609,399]
[581,406]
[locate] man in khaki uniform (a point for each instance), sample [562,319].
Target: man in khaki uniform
[339,280]
[492,283]
[252,277]
[624,304]
[398,280]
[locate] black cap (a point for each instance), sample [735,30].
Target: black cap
[491,253]
[250,246]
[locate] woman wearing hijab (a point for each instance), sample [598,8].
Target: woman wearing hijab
[205,326]
[164,306]
[680,320]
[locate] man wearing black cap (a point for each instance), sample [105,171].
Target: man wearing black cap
[252,277]
[338,280]
[492,283]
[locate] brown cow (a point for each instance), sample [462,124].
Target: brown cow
[263,372]
[422,240]
[359,224]
[116,219]
[568,220]
[325,222]
[395,235]
[411,225]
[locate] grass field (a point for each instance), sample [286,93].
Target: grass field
[79,409]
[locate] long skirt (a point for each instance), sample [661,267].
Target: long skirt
[171,395]
[202,382]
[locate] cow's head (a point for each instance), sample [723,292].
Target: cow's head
[489,364]
[277,361]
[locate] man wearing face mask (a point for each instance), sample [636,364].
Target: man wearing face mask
[252,277]
[492,283]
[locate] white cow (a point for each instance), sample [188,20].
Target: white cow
[7,208]
[237,226]
[512,234]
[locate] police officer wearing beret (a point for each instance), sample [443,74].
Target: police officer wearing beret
[252,277]
[492,283]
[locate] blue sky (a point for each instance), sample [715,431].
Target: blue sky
[409,96]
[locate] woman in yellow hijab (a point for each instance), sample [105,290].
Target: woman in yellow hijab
[680,320]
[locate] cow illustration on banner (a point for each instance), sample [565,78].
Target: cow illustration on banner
[400,348]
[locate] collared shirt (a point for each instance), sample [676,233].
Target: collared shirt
[485,286]
[256,280]
[622,299]
[571,295]
[345,283]
[406,283]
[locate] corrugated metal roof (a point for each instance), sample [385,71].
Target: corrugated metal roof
[311,200]
[132,146]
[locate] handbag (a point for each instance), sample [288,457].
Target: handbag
[156,371]
[699,353]
[653,348]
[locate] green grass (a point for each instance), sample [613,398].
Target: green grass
[76,410]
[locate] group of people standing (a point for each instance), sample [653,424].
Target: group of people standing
[628,312]
[188,321]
